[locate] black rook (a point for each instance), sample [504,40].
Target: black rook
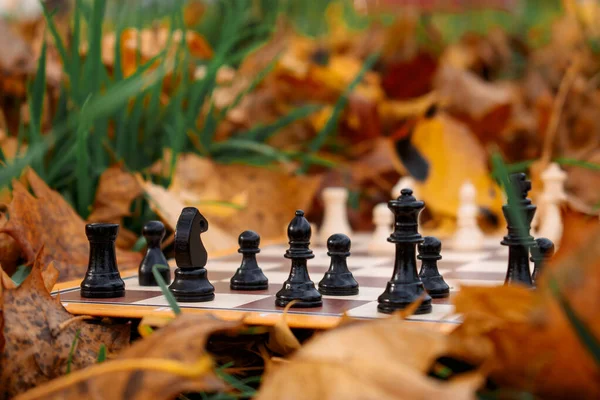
[102,279]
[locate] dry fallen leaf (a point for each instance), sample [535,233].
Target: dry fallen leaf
[281,338]
[524,338]
[116,190]
[384,359]
[9,249]
[271,200]
[46,219]
[183,341]
[38,333]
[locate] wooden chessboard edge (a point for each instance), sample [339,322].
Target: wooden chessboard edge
[317,322]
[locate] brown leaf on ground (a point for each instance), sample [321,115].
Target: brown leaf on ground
[385,359]
[10,251]
[524,338]
[267,198]
[168,206]
[183,340]
[17,57]
[46,219]
[116,190]
[39,332]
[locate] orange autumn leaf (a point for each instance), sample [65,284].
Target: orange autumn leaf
[524,338]
[45,219]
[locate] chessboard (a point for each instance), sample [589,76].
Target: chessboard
[484,267]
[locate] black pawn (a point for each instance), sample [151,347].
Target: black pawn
[249,276]
[338,280]
[298,286]
[518,239]
[540,254]
[191,282]
[429,254]
[154,232]
[102,279]
[405,287]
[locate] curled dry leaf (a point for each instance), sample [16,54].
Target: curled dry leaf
[38,333]
[272,196]
[46,219]
[385,359]
[281,338]
[525,340]
[117,188]
[183,340]
[9,249]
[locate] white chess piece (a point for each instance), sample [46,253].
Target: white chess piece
[335,218]
[383,219]
[403,183]
[468,235]
[549,222]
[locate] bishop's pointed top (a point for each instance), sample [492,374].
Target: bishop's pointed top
[299,232]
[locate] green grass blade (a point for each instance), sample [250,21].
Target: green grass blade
[72,350]
[262,133]
[58,42]
[164,289]
[247,146]
[82,169]
[93,62]
[577,163]
[20,274]
[101,354]
[74,65]
[589,341]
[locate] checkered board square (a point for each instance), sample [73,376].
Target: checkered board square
[484,267]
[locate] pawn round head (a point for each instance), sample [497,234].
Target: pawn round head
[431,247]
[545,247]
[338,244]
[249,240]
[299,229]
[154,231]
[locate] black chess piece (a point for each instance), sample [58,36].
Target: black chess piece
[249,276]
[102,279]
[154,232]
[518,239]
[429,254]
[405,287]
[338,280]
[191,283]
[298,286]
[540,254]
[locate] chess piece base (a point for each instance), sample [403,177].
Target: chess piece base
[253,279]
[398,296]
[192,286]
[110,287]
[436,287]
[306,295]
[338,284]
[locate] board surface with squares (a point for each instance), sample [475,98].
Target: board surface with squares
[483,267]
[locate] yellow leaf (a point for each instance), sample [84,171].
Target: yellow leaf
[454,156]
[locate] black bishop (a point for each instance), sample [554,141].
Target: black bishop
[298,286]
